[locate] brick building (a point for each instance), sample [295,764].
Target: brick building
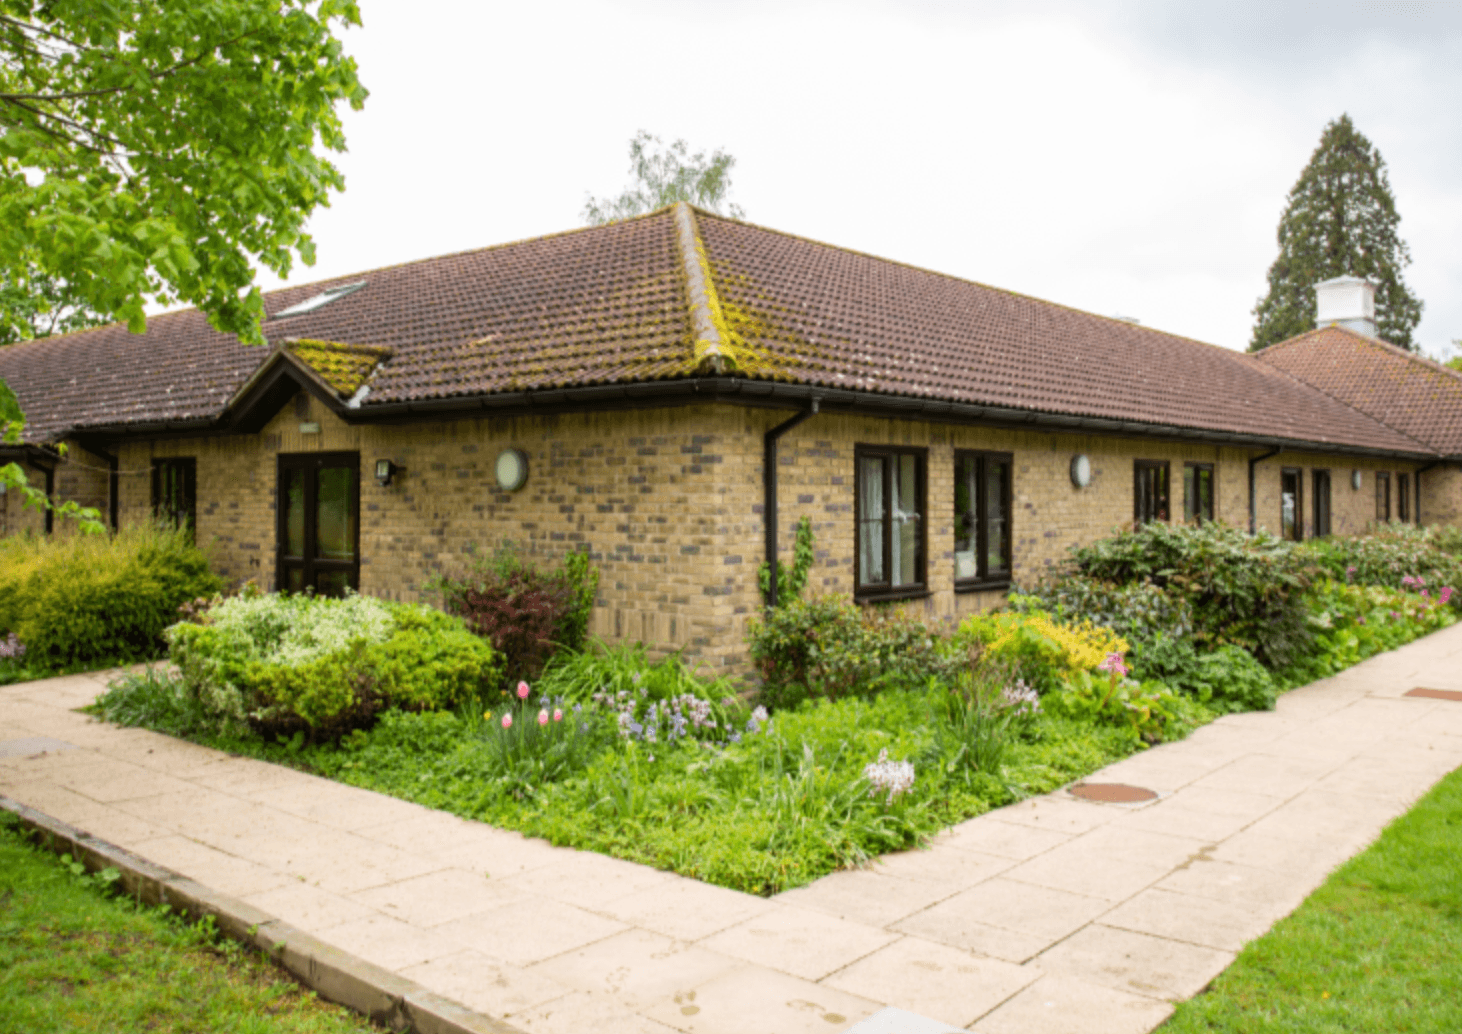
[625,390]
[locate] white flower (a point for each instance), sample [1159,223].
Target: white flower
[891,777]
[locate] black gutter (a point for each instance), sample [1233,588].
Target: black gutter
[769,491]
[1253,502]
[741,391]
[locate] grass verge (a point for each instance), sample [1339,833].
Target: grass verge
[1377,948]
[75,957]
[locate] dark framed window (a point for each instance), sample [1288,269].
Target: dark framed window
[1292,503]
[318,539]
[981,519]
[1197,492]
[1383,495]
[890,493]
[1150,491]
[1403,497]
[175,492]
[1321,503]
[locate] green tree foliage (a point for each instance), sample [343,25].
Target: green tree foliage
[42,307]
[158,149]
[1340,219]
[664,175]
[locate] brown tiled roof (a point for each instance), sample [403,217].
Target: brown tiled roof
[346,368]
[674,294]
[1414,395]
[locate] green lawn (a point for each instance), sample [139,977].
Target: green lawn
[1377,948]
[76,958]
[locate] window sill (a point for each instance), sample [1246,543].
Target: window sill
[998,585]
[913,592]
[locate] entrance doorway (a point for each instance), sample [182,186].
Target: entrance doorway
[319,523]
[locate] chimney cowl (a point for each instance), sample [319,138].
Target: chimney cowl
[1346,301]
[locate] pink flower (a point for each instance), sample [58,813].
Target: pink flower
[1445,596]
[557,715]
[1113,664]
[542,717]
[507,721]
[522,691]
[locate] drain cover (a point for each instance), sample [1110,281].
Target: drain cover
[1112,793]
[1434,694]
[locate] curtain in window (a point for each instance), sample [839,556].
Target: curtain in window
[906,516]
[870,530]
[995,558]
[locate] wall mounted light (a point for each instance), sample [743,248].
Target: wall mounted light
[385,471]
[1080,471]
[1355,480]
[512,469]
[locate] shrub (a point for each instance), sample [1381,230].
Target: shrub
[1394,555]
[830,647]
[1226,680]
[323,666]
[528,614]
[978,713]
[1137,611]
[1243,590]
[98,599]
[1353,622]
[1043,651]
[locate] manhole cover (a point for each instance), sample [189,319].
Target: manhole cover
[1434,694]
[1112,793]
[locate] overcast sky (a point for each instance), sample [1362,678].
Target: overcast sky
[1126,158]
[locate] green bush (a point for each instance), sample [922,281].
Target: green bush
[1137,611]
[322,666]
[1227,680]
[1043,651]
[98,599]
[829,647]
[1243,590]
[1353,622]
[1393,556]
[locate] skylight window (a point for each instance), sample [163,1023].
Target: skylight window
[320,300]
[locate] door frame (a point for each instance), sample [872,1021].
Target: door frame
[312,463]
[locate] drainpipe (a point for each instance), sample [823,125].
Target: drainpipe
[1253,502]
[1417,476]
[50,492]
[769,491]
[113,481]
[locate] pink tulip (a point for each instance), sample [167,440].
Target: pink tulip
[557,715]
[507,721]
[522,691]
[542,717]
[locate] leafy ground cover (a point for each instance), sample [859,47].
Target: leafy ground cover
[76,958]
[1377,947]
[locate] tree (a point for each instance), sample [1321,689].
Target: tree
[158,149]
[42,308]
[664,176]
[1340,219]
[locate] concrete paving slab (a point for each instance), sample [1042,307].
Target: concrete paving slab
[1022,907]
[212,868]
[580,1011]
[1224,925]
[1065,1005]
[1201,813]
[388,942]
[307,907]
[1056,815]
[901,1021]
[799,941]
[1076,868]
[526,932]
[950,866]
[864,896]
[686,909]
[488,985]
[437,897]
[590,881]
[752,998]
[1139,963]
[934,980]
[636,968]
[987,835]
[1268,774]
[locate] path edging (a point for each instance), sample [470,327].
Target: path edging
[335,975]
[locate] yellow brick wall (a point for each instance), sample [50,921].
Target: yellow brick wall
[15,517]
[1352,510]
[654,495]
[1441,496]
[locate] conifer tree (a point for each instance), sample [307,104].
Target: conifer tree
[1340,220]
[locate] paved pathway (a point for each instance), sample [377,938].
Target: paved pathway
[1055,915]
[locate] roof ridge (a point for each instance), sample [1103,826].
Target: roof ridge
[717,348]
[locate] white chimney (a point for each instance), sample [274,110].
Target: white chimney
[1346,301]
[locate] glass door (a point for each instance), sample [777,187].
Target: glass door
[319,523]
